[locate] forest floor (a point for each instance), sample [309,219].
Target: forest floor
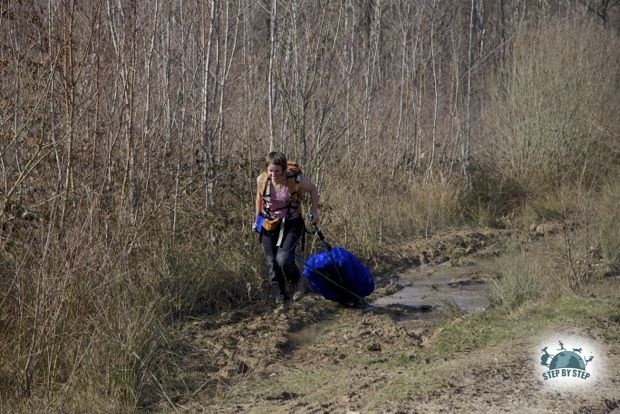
[430,343]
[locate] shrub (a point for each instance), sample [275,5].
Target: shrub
[372,210]
[523,277]
[551,115]
[606,216]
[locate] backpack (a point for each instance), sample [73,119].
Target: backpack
[293,178]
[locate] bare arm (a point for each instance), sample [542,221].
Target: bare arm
[306,186]
[259,198]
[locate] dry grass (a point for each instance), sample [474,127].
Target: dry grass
[85,309]
[79,323]
[606,218]
[373,210]
[523,277]
[545,273]
[566,263]
[551,118]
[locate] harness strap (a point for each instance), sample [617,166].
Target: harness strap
[266,196]
[293,190]
[281,234]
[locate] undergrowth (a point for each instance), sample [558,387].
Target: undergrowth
[88,291]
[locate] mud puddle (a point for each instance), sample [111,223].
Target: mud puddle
[431,293]
[426,296]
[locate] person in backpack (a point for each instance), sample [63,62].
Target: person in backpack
[280,222]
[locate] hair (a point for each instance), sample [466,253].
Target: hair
[276,158]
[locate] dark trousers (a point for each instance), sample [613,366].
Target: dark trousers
[281,260]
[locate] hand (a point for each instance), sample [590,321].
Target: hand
[314,217]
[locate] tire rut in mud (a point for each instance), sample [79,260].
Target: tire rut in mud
[216,352]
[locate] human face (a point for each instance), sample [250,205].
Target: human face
[275,173]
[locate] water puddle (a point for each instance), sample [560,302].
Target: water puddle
[430,293]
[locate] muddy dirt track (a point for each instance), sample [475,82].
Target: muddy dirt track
[316,357]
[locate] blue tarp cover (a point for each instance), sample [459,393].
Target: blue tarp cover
[356,276]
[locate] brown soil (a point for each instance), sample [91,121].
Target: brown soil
[240,361]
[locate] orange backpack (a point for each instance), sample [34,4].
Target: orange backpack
[293,178]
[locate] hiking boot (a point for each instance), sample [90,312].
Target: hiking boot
[279,299]
[280,309]
[276,295]
[300,290]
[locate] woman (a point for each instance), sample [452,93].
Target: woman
[278,200]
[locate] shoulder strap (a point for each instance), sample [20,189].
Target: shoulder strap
[293,190]
[293,185]
[263,181]
[293,178]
